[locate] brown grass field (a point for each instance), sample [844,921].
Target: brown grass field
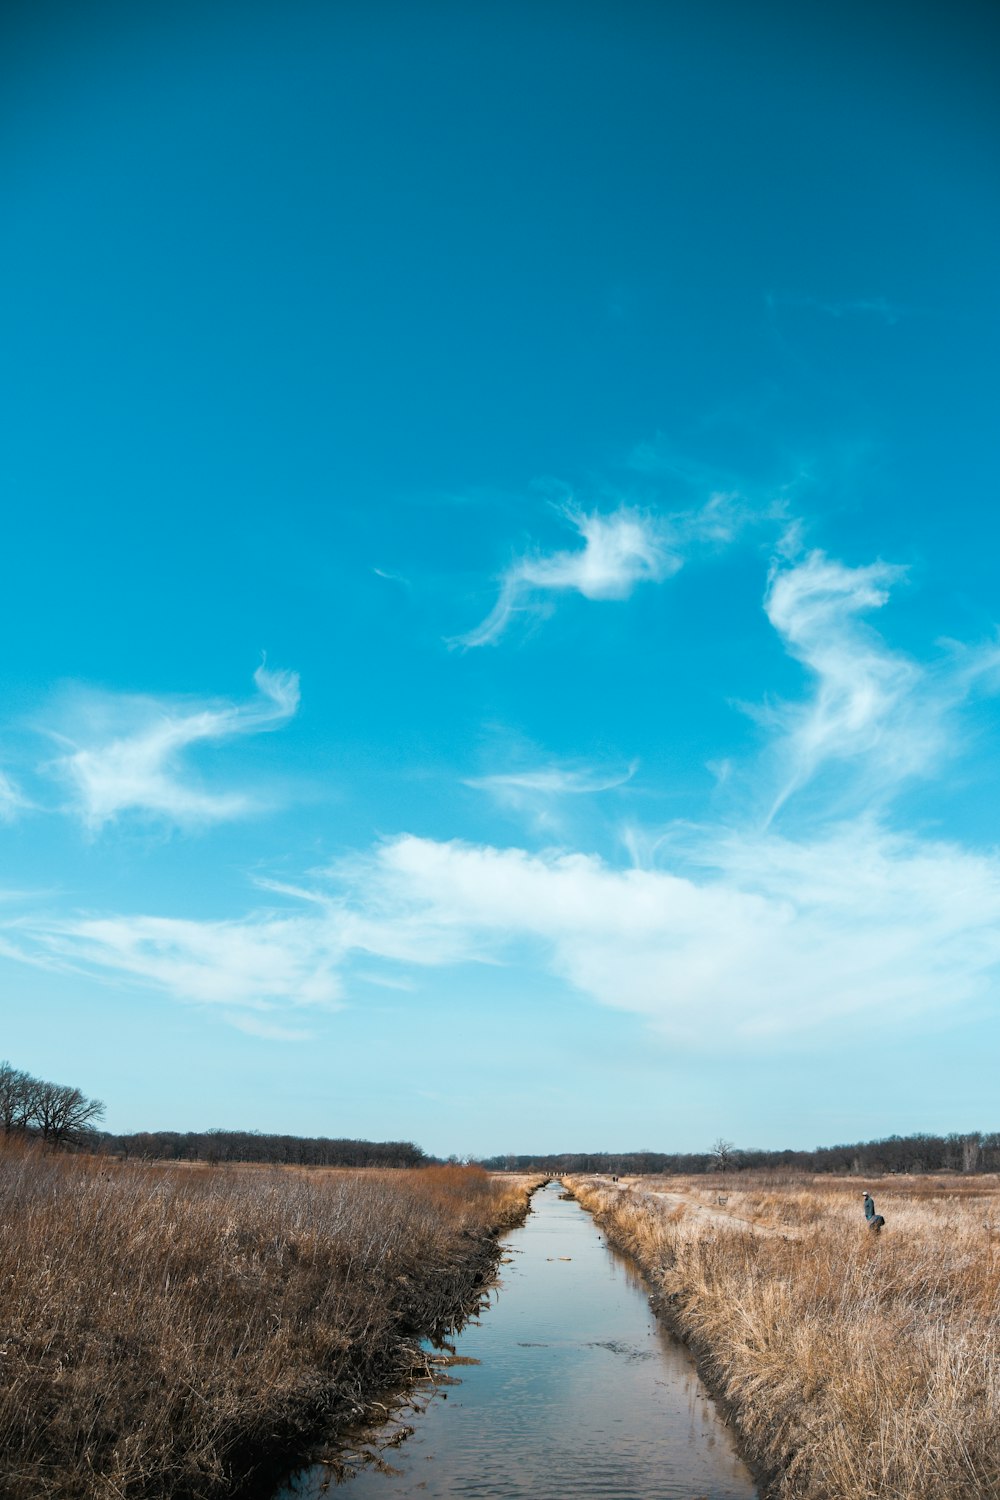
[853,1365]
[178,1332]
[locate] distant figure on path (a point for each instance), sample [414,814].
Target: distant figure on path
[875,1221]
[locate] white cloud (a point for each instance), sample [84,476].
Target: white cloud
[133,761]
[623,549]
[746,937]
[619,551]
[770,936]
[865,702]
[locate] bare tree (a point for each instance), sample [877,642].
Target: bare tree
[724,1153]
[972,1146]
[63,1114]
[10,1090]
[18,1097]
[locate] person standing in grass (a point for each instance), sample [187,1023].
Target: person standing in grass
[875,1221]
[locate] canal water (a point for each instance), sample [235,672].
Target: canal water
[577,1392]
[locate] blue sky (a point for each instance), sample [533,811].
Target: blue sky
[501,591]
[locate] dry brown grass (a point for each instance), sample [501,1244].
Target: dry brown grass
[854,1365]
[164,1332]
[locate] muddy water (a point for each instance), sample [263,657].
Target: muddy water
[577,1392]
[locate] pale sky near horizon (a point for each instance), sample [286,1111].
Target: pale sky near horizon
[501,569]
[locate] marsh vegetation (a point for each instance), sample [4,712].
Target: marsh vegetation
[853,1364]
[173,1330]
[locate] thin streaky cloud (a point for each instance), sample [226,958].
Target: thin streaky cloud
[878,307]
[384,981]
[734,504]
[250,964]
[661,458]
[12,800]
[881,308]
[557,781]
[296,892]
[268,1031]
[133,760]
[34,950]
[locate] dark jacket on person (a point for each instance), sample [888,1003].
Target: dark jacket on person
[875,1221]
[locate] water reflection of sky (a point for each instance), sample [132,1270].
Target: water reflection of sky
[579,1392]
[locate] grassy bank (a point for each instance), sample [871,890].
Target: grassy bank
[166,1331]
[853,1365]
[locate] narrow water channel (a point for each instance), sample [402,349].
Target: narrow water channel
[577,1391]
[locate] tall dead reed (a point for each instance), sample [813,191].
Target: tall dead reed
[166,1332]
[854,1365]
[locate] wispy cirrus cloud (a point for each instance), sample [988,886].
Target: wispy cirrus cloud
[620,551]
[12,800]
[872,710]
[540,792]
[128,753]
[269,1031]
[250,964]
[554,780]
[737,502]
[861,705]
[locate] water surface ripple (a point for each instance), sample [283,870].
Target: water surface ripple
[579,1392]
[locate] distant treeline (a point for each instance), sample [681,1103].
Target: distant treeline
[60,1115]
[254,1145]
[972,1152]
